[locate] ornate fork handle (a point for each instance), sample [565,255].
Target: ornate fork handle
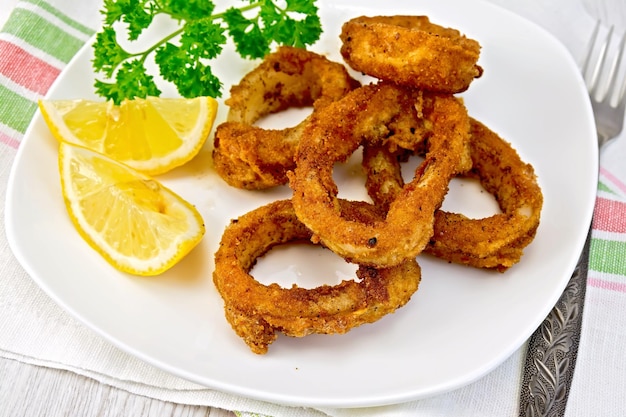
[552,350]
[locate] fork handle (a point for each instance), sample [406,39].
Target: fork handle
[553,349]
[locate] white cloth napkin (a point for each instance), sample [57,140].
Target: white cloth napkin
[33,329]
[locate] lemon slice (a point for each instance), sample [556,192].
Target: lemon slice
[152,135]
[132,220]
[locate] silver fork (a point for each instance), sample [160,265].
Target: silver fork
[553,348]
[609,99]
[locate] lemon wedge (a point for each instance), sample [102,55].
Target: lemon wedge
[137,224]
[152,135]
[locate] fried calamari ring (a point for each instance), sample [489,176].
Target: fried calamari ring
[412,51]
[249,157]
[257,312]
[335,132]
[495,242]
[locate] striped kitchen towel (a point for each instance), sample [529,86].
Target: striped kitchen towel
[599,385]
[609,234]
[36,43]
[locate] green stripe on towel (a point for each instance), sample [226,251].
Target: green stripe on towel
[603,187]
[61,16]
[612,260]
[43,35]
[16,111]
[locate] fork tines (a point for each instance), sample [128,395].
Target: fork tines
[599,79]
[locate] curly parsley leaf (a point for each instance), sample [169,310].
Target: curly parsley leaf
[131,81]
[137,14]
[184,56]
[192,77]
[203,39]
[187,10]
[297,25]
[249,39]
[108,54]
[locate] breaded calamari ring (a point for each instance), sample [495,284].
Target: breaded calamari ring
[335,132]
[249,157]
[495,242]
[257,312]
[412,51]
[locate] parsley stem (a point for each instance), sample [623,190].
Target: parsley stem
[144,55]
[243,9]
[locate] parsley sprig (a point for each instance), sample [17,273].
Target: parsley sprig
[183,56]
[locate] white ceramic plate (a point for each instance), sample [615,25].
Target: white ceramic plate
[459,325]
